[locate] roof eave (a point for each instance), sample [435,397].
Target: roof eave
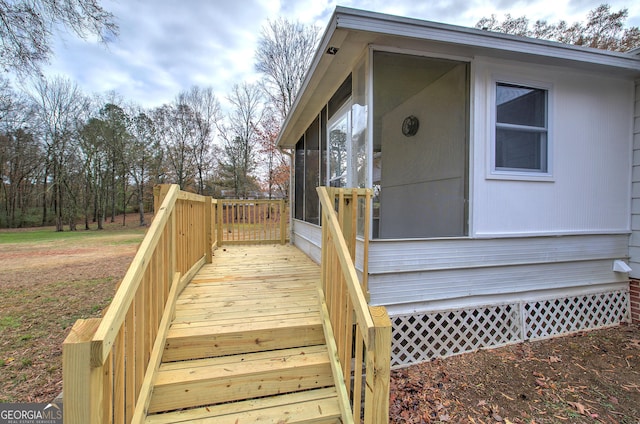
[345,20]
[352,19]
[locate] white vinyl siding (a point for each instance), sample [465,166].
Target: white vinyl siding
[308,238]
[430,274]
[590,160]
[634,245]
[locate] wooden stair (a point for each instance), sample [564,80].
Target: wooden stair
[247,345]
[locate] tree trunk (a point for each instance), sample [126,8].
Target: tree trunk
[113,195]
[58,208]
[44,199]
[141,204]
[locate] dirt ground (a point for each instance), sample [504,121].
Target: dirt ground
[589,377]
[44,288]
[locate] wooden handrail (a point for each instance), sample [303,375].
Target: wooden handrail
[330,221]
[106,362]
[362,333]
[112,321]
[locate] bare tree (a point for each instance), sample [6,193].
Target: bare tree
[96,170]
[275,163]
[59,104]
[143,153]
[604,29]
[206,113]
[283,55]
[176,129]
[26,27]
[240,139]
[116,139]
[20,164]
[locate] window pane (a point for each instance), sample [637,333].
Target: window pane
[521,105]
[312,173]
[517,149]
[323,147]
[340,97]
[299,180]
[338,153]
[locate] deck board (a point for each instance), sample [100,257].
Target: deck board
[249,325]
[251,283]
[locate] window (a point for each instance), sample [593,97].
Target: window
[338,145]
[521,129]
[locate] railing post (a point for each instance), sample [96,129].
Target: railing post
[283,222]
[83,384]
[208,228]
[220,211]
[159,193]
[378,369]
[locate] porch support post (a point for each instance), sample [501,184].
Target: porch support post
[378,369]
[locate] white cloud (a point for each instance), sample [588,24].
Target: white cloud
[166,46]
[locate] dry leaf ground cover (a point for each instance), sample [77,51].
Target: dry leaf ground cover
[590,377]
[46,284]
[48,280]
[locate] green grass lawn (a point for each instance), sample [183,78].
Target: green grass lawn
[48,235]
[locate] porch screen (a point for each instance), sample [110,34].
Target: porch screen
[420,179]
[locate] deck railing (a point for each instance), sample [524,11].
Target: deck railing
[252,221]
[362,333]
[106,362]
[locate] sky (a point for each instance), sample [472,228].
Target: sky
[167,46]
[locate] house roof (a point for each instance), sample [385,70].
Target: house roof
[350,31]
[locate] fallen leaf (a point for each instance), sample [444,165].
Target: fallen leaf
[498,418]
[554,359]
[482,403]
[444,417]
[579,407]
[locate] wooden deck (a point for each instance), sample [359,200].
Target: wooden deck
[247,344]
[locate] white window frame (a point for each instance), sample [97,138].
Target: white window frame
[519,174]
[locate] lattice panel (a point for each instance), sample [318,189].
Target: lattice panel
[419,338]
[557,316]
[422,337]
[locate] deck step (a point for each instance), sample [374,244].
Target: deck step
[311,406]
[208,339]
[201,382]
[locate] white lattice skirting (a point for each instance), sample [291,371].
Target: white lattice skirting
[425,336]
